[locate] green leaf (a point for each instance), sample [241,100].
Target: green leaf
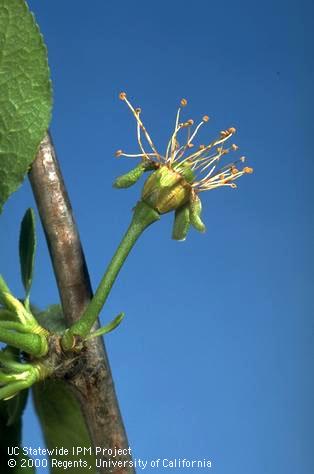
[11,433]
[108,328]
[62,423]
[25,93]
[27,247]
[16,406]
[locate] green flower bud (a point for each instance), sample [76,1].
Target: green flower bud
[166,190]
[181,223]
[195,213]
[128,179]
[19,376]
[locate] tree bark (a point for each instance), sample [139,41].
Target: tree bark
[93,385]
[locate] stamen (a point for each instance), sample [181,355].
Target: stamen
[182,150]
[207,165]
[176,129]
[205,161]
[200,152]
[122,96]
[138,155]
[173,141]
[216,185]
[139,140]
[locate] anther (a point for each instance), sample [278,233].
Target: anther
[138,110]
[190,145]
[205,118]
[247,170]
[183,102]
[190,122]
[242,159]
[122,96]
[118,153]
[234,147]
[232,130]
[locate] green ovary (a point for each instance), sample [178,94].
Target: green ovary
[166,190]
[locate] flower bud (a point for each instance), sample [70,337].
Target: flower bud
[195,214]
[166,190]
[130,178]
[181,223]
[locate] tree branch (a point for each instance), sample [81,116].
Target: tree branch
[93,385]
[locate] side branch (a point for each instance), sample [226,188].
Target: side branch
[61,233]
[93,385]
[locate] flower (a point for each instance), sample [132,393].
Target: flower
[183,171]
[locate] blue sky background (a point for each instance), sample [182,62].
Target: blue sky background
[215,356]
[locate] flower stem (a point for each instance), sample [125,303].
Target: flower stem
[33,344]
[13,388]
[143,216]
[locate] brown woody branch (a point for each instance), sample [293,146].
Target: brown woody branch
[93,385]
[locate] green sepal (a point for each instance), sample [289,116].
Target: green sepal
[181,223]
[195,214]
[27,247]
[130,178]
